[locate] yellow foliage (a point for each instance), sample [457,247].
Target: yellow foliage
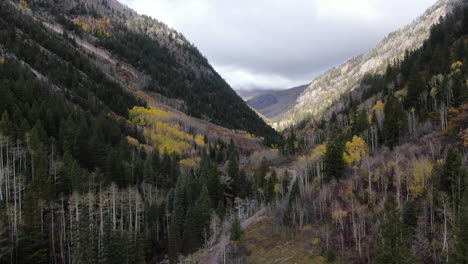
[316,241]
[132,141]
[245,133]
[163,136]
[2,60]
[200,140]
[277,188]
[354,150]
[174,131]
[99,26]
[421,170]
[379,106]
[319,151]
[456,66]
[169,138]
[147,116]
[189,162]
[22,5]
[169,144]
[433,92]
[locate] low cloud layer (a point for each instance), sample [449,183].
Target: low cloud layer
[276,44]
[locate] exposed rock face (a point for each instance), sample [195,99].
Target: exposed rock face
[328,87]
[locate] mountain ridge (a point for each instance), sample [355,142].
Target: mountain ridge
[329,86]
[274,103]
[148,55]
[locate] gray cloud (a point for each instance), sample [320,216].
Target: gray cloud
[276,43]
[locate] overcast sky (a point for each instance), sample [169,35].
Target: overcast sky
[278,44]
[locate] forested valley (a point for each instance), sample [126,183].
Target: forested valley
[382,179]
[110,153]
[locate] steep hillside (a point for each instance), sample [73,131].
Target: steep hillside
[95,166]
[169,65]
[273,104]
[328,87]
[383,179]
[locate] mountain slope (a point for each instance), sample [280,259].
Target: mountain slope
[383,178]
[274,103]
[328,87]
[168,64]
[94,168]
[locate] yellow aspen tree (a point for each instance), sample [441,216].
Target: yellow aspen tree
[354,151]
[421,170]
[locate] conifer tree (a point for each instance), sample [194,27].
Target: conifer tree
[34,243]
[270,187]
[460,256]
[394,122]
[5,245]
[394,249]
[37,139]
[202,213]
[359,122]
[177,224]
[334,164]
[261,173]
[236,230]
[6,126]
[410,219]
[233,172]
[415,88]
[452,178]
[191,238]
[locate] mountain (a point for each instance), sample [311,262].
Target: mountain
[115,137]
[104,159]
[382,177]
[251,93]
[274,103]
[329,86]
[145,54]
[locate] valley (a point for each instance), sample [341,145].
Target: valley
[120,143]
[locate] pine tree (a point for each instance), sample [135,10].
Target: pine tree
[34,243]
[394,249]
[6,126]
[191,237]
[209,175]
[201,214]
[415,88]
[177,224]
[359,122]
[233,172]
[5,245]
[73,174]
[148,171]
[270,187]
[452,178]
[114,247]
[291,143]
[460,256]
[236,230]
[394,122]
[334,164]
[410,219]
[261,173]
[37,140]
